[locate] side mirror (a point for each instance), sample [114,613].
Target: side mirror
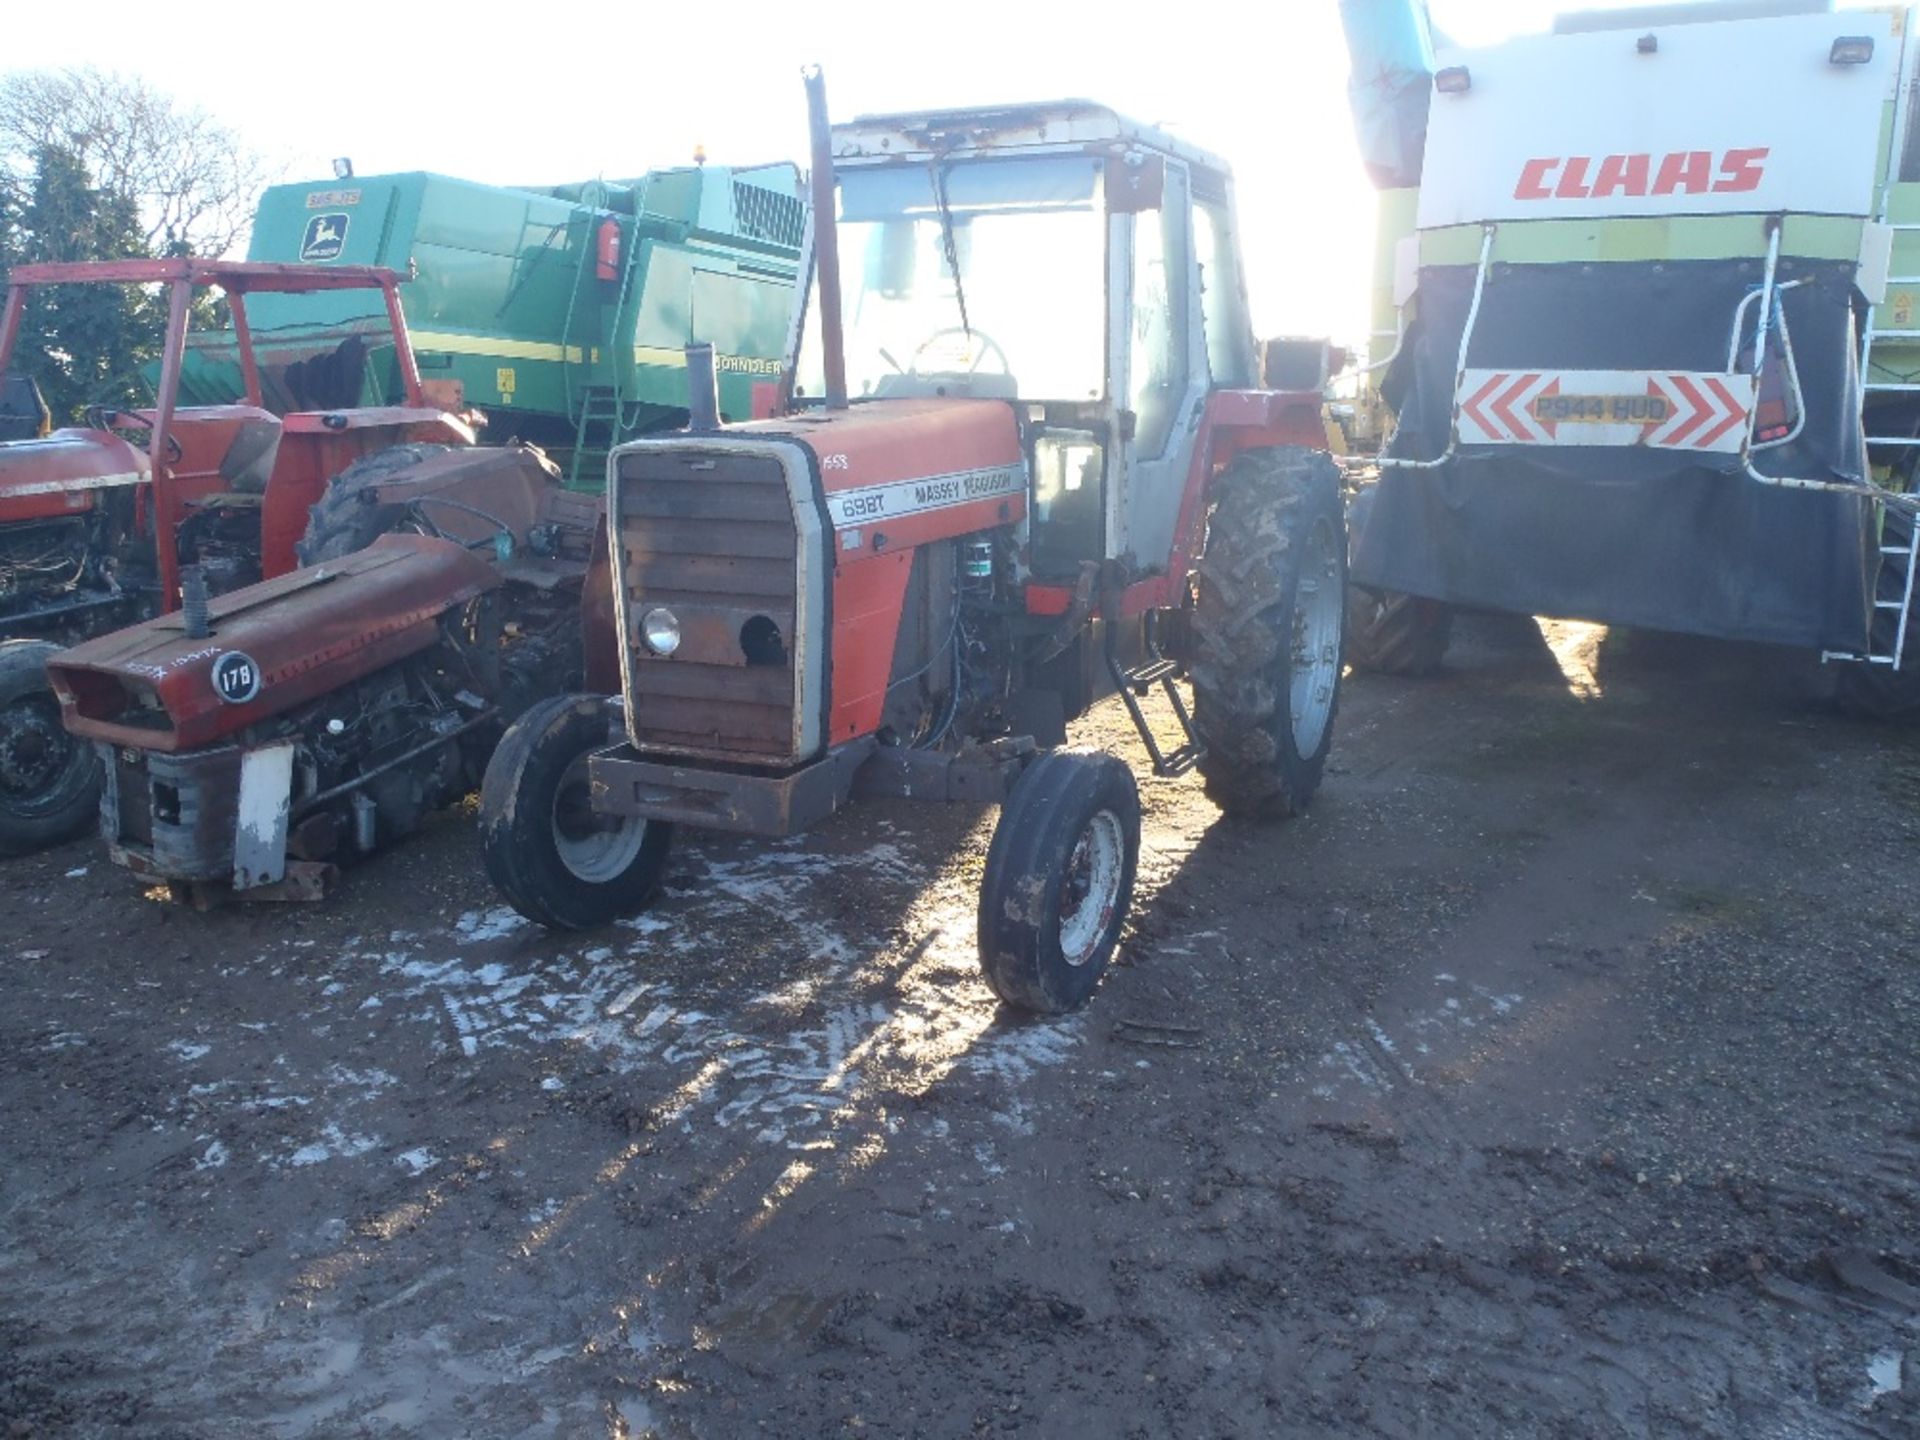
[1135,182]
[1299,363]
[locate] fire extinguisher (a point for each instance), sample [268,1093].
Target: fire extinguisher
[606,250]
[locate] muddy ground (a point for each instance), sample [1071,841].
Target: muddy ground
[1559,1075]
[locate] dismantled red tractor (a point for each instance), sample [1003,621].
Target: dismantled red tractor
[1023,452]
[256,739]
[97,524]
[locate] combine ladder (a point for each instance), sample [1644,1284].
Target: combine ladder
[599,427]
[603,419]
[1899,563]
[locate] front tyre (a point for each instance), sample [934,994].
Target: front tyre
[49,780]
[556,860]
[1267,618]
[1059,880]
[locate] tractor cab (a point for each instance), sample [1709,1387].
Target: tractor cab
[1062,257]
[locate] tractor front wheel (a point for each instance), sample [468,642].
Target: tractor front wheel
[557,861]
[1267,618]
[1059,879]
[49,780]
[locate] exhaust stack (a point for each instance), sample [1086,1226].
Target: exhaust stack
[193,602]
[826,240]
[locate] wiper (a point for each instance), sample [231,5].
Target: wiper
[946,240]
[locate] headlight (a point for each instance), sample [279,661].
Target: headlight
[661,630]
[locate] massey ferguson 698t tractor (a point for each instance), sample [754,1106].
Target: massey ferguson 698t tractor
[97,523]
[1020,450]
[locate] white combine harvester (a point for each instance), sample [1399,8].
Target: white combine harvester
[1647,330]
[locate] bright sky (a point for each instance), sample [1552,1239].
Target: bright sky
[567,89]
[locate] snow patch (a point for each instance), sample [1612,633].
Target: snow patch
[477,925]
[1884,1373]
[333,1144]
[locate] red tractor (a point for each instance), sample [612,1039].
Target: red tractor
[97,524]
[1021,451]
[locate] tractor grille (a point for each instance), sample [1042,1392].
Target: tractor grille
[711,537]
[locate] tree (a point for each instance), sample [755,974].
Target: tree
[84,344]
[190,179]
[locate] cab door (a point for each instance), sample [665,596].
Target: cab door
[1158,363]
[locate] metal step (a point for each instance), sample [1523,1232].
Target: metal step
[1143,678]
[1138,681]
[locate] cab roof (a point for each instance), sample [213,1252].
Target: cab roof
[1034,126]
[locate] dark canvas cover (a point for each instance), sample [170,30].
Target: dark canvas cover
[1628,535]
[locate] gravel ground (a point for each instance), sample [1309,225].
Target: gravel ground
[1559,1075]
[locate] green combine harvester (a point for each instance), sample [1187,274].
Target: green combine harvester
[562,312]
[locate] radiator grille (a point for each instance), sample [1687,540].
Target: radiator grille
[766,214]
[710,537]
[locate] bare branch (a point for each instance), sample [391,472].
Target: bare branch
[192,179]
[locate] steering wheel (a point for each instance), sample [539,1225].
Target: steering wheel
[98,417]
[986,340]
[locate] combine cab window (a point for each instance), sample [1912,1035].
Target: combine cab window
[1159,360]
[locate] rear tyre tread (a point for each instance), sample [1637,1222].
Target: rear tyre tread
[346,519]
[1391,633]
[1263,507]
[68,804]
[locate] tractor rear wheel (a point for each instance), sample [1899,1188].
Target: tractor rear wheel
[555,859]
[1879,692]
[1059,879]
[348,517]
[49,780]
[1267,620]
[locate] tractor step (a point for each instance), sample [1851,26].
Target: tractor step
[1142,678]
[1136,682]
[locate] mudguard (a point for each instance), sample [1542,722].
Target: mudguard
[58,474]
[271,646]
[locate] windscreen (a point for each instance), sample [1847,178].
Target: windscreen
[988,270]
